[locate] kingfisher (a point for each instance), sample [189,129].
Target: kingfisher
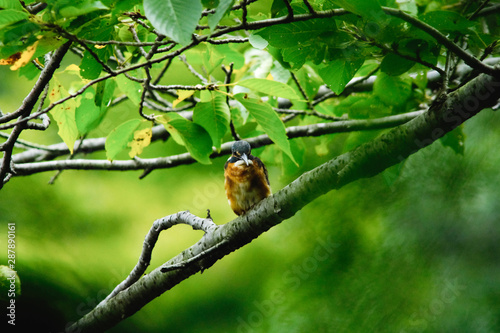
[246,180]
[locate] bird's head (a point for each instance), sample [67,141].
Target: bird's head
[241,151]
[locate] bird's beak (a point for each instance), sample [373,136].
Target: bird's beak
[245,158]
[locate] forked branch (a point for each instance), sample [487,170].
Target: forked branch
[365,161]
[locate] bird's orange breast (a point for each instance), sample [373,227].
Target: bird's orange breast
[245,186]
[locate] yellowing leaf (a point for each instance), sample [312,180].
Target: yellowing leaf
[142,139]
[11,60]
[72,69]
[120,137]
[64,115]
[25,57]
[183,94]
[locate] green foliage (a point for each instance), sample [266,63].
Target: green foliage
[64,114]
[333,50]
[264,72]
[120,137]
[196,139]
[268,120]
[176,19]
[93,106]
[214,117]
[270,87]
[220,11]
[337,73]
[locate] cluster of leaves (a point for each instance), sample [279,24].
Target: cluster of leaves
[247,58]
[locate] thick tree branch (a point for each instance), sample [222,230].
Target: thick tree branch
[365,161]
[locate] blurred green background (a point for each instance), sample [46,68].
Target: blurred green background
[414,249]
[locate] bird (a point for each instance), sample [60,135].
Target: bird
[245,178]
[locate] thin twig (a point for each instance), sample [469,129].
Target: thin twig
[124,43]
[308,113]
[309,7]
[23,144]
[476,12]
[94,55]
[183,87]
[227,41]
[162,72]
[137,40]
[245,12]
[192,70]
[145,89]
[290,9]
[227,81]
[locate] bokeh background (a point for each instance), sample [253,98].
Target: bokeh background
[414,249]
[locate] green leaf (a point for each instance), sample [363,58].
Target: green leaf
[427,50]
[120,137]
[93,106]
[88,114]
[21,33]
[9,4]
[298,148]
[98,30]
[9,16]
[210,4]
[81,8]
[338,73]
[392,90]
[448,22]
[362,106]
[230,55]
[257,41]
[213,116]
[394,65]
[309,80]
[269,121]
[132,89]
[176,19]
[64,115]
[296,33]
[220,11]
[269,87]
[211,59]
[295,57]
[194,137]
[369,9]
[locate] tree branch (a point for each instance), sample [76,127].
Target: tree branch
[186,158]
[25,109]
[365,161]
[159,225]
